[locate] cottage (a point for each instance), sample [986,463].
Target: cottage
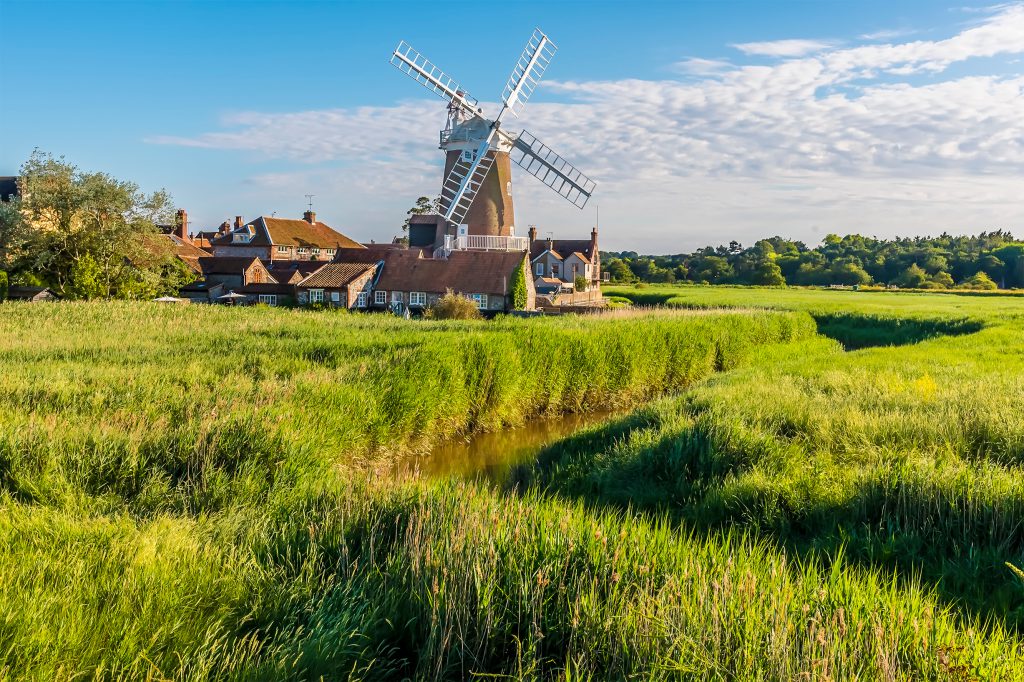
[566,259]
[275,239]
[411,281]
[202,292]
[235,272]
[345,285]
[32,294]
[268,293]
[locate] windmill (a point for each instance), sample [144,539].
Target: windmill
[476,195]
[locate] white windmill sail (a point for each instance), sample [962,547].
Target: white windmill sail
[420,69]
[544,164]
[528,71]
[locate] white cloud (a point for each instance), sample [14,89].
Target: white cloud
[783,48]
[731,151]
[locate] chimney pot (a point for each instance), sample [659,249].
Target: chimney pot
[238,221]
[225,227]
[533,233]
[309,217]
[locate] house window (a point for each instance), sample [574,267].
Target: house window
[480,300]
[316,251]
[302,249]
[396,296]
[316,295]
[330,252]
[418,298]
[361,299]
[335,296]
[380,297]
[554,270]
[282,249]
[539,269]
[269,299]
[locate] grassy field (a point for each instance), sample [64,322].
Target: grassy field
[195,493]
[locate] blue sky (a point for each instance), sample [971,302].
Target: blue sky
[701,121]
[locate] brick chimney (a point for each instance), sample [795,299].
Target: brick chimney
[225,227]
[551,245]
[533,233]
[238,221]
[181,226]
[309,216]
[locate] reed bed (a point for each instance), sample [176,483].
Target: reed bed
[184,495]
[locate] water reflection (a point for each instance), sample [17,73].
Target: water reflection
[494,455]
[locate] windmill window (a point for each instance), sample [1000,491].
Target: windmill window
[508,188]
[467,156]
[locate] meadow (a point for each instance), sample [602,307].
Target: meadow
[197,493]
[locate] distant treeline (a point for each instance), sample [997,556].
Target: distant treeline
[987,261]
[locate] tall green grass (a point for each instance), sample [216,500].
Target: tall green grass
[195,493]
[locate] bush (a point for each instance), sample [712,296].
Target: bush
[581,283]
[979,281]
[3,285]
[453,306]
[520,296]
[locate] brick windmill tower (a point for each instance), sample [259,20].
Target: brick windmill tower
[476,194]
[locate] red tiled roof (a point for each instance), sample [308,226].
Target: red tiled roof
[335,275]
[466,272]
[285,232]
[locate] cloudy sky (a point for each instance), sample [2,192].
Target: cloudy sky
[700,122]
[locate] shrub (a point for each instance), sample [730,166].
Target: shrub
[519,293]
[581,283]
[3,285]
[453,306]
[979,281]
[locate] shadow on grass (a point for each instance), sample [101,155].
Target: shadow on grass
[856,331]
[909,525]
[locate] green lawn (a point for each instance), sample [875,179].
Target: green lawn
[195,493]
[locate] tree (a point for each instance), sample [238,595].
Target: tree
[913,277]
[942,280]
[88,234]
[980,281]
[423,206]
[3,285]
[581,283]
[618,271]
[768,273]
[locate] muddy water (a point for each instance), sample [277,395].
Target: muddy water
[494,455]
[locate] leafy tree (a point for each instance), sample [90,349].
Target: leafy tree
[913,277]
[942,280]
[768,273]
[89,234]
[423,206]
[979,281]
[618,271]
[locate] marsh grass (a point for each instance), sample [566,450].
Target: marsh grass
[184,495]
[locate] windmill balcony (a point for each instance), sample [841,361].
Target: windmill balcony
[481,242]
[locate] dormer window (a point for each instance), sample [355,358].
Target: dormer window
[240,237]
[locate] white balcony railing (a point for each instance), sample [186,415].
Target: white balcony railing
[483,242]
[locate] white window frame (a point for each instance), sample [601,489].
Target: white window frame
[396,297]
[269,299]
[361,299]
[467,156]
[480,300]
[538,269]
[316,295]
[380,297]
[330,252]
[417,298]
[335,297]
[282,249]
[555,270]
[301,250]
[316,251]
